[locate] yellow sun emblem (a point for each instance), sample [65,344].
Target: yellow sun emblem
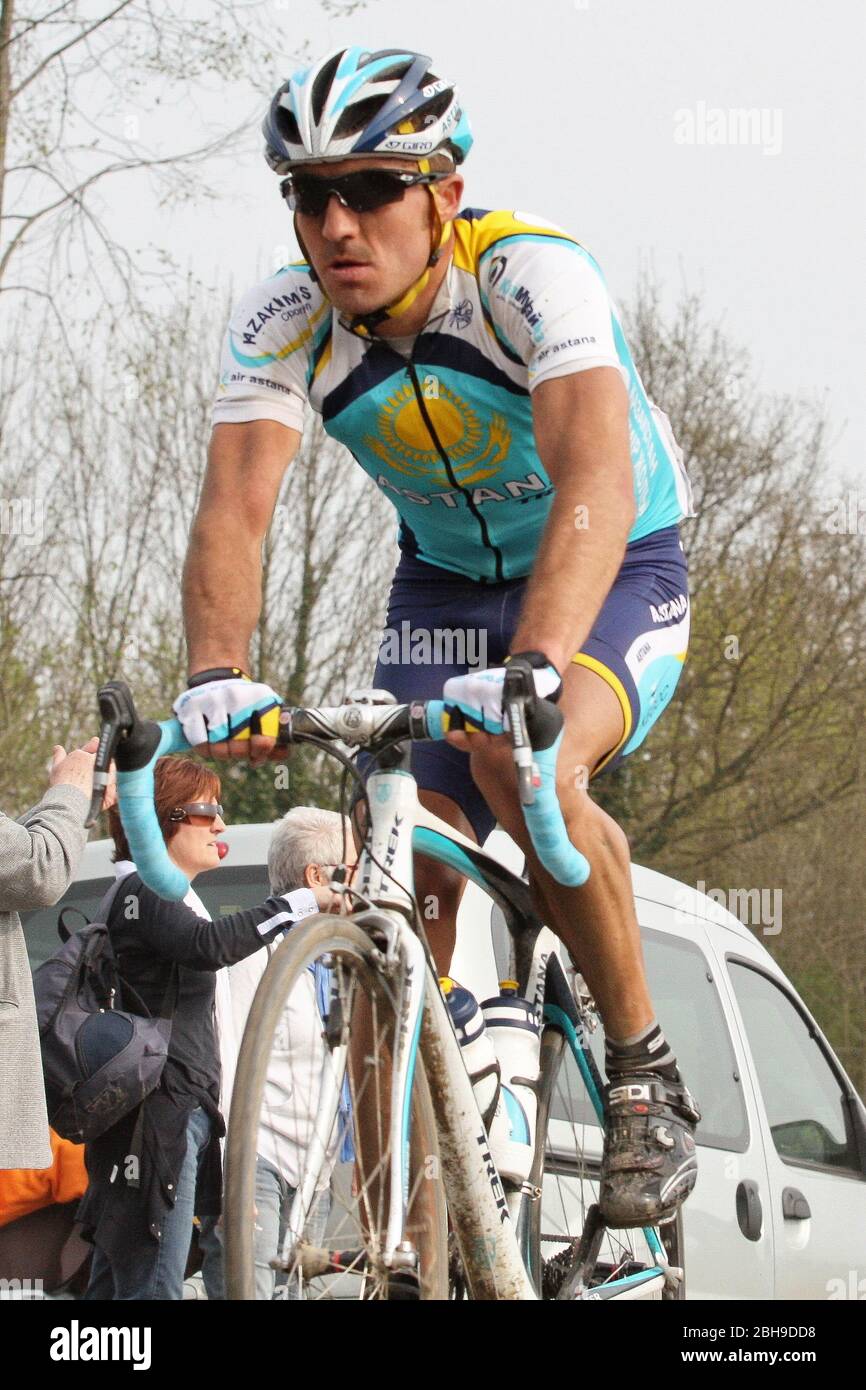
[404,441]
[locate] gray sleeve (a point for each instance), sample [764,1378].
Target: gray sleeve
[40,852]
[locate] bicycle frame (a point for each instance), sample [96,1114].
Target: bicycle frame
[479,1208]
[488,1222]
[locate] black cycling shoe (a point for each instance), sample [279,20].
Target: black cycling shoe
[650,1162]
[403,1286]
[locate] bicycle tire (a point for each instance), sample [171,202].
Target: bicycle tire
[623,1251]
[355,975]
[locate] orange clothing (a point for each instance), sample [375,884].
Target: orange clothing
[23,1190]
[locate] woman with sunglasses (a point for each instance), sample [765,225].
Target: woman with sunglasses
[160,1165]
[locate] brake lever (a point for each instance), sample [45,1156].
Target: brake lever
[118,719]
[519,701]
[117,712]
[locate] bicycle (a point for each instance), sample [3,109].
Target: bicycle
[418,1208]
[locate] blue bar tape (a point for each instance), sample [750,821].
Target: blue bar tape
[135,793]
[544,817]
[547,827]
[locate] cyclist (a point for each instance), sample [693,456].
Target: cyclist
[475,366]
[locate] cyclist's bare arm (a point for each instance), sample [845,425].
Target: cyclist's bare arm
[582,437]
[222,579]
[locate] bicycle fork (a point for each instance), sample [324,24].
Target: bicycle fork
[477,1201]
[476,1198]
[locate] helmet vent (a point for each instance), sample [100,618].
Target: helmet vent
[322,86]
[436,107]
[287,125]
[355,118]
[392,74]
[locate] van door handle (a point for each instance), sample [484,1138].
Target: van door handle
[794,1205]
[749,1211]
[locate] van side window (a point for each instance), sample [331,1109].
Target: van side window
[232,888]
[802,1093]
[40,923]
[222,890]
[690,1012]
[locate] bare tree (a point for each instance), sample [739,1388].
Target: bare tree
[116,470]
[87,91]
[762,731]
[818,868]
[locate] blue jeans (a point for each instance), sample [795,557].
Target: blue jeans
[210,1243]
[274,1204]
[152,1269]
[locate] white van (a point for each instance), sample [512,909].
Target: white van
[779,1210]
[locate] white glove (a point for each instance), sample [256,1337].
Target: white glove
[224,709]
[478,695]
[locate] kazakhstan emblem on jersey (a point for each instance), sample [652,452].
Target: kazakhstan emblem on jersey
[476,451]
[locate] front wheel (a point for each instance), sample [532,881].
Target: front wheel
[308,1148]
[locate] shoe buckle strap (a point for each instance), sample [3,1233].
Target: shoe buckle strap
[656,1092]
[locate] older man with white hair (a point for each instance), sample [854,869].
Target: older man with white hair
[306,846]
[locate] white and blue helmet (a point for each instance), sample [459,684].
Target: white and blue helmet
[352,102]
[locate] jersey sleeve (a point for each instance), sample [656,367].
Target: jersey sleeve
[175,932]
[268,350]
[549,303]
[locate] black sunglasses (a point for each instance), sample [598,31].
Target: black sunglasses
[206,810]
[363,191]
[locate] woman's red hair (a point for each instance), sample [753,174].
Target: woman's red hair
[176,781]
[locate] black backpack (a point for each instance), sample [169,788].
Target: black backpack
[99,1062]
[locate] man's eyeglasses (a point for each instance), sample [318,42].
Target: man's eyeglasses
[365,190]
[195,812]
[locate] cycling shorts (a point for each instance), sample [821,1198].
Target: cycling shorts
[440,624]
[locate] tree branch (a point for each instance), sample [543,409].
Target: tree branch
[64,48]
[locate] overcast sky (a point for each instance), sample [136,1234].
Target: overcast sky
[609,117]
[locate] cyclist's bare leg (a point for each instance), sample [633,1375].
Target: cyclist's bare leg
[649,1161]
[597,922]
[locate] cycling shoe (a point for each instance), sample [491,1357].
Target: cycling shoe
[650,1162]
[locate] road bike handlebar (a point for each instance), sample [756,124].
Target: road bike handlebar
[136,744]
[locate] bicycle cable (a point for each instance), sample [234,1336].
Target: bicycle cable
[349,766]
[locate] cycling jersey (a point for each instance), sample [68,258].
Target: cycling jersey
[447,432]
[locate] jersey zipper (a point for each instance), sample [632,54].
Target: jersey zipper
[431,430]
